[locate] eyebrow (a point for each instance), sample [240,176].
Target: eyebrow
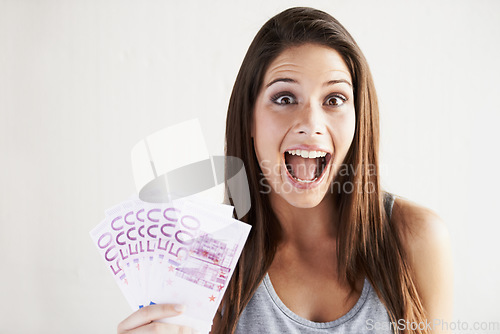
[289,80]
[333,82]
[281,80]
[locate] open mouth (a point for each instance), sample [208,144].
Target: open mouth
[306,166]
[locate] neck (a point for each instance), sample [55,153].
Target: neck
[306,226]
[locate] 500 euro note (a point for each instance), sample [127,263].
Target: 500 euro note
[182,252]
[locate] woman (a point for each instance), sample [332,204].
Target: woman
[329,251]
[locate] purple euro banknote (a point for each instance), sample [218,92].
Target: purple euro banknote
[182,252]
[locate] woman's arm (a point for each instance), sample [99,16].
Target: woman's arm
[426,241]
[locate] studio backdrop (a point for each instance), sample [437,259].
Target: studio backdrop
[83,81]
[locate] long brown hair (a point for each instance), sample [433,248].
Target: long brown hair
[368,244]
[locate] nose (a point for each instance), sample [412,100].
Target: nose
[311,120]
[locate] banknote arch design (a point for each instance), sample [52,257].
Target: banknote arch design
[182,252]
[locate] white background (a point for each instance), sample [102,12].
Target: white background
[82,81]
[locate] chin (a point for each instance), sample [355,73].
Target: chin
[302,201]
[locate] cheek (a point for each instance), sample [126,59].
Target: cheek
[269,132]
[351,127]
[343,127]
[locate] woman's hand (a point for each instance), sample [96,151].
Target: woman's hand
[143,320]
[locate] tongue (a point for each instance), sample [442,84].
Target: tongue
[304,169]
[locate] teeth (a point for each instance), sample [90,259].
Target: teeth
[307,154]
[305,181]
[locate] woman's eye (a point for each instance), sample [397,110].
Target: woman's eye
[335,100]
[283,99]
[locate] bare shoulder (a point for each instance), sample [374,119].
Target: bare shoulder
[419,226]
[426,242]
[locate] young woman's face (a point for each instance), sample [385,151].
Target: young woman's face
[303,123]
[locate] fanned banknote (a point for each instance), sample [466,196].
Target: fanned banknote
[181,252]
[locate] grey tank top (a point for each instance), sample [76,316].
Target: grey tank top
[266,313]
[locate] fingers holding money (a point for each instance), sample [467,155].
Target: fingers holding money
[144,320]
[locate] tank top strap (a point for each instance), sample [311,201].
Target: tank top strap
[389,203]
